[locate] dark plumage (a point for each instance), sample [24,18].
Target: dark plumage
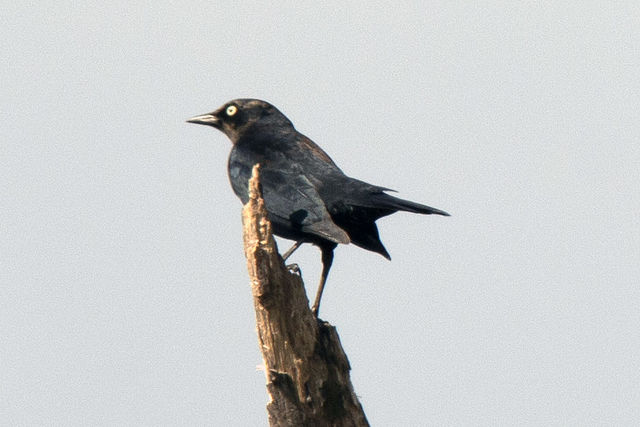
[308,198]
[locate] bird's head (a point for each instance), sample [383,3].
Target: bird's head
[241,116]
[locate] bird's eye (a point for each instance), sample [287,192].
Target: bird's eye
[231,110]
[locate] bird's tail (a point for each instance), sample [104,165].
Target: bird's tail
[387,201]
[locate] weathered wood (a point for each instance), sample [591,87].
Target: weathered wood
[306,368]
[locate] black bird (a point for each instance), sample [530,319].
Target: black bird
[308,198]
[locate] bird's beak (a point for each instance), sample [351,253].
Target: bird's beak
[209,119]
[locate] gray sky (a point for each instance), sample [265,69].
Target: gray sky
[124,297]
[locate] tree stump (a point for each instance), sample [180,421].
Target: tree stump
[306,369]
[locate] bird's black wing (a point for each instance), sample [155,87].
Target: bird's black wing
[294,206]
[290,196]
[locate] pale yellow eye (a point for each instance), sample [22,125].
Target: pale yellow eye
[231,110]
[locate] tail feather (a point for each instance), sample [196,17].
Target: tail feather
[366,236]
[387,201]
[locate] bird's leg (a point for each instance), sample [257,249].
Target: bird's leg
[291,250]
[327,259]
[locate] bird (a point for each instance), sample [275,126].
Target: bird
[308,198]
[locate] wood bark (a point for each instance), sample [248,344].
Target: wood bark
[306,369]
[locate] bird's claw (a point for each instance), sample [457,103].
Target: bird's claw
[294,268]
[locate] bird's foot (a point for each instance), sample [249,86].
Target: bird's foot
[294,268]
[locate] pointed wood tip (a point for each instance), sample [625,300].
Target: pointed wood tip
[254,182]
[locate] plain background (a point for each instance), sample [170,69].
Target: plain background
[124,297]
